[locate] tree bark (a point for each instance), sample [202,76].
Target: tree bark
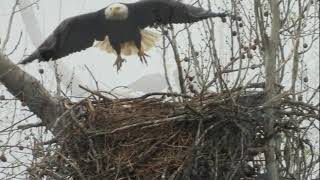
[270,58]
[30,92]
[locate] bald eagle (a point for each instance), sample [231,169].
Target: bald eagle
[117,28]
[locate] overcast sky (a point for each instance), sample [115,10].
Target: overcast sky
[100,63]
[49,15]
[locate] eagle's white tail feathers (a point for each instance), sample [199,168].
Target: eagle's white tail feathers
[148,41]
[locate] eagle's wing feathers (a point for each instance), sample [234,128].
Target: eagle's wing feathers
[161,12]
[72,35]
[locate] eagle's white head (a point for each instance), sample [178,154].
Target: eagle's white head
[116,11]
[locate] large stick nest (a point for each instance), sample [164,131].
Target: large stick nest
[212,137]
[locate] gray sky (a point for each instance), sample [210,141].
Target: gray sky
[101,64]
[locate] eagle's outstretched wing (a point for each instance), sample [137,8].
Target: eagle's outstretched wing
[72,35]
[161,12]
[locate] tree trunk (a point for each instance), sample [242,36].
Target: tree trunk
[270,58]
[30,92]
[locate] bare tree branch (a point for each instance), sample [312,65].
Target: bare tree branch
[29,91]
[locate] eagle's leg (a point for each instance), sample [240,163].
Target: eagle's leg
[119,59]
[142,55]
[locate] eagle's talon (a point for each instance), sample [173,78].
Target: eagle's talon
[143,56]
[143,59]
[119,62]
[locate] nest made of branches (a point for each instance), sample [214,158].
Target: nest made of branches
[214,136]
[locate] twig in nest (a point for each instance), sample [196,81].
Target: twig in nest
[205,132]
[77,123]
[142,124]
[96,93]
[51,141]
[159,94]
[75,167]
[52,174]
[145,155]
[63,116]
[153,148]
